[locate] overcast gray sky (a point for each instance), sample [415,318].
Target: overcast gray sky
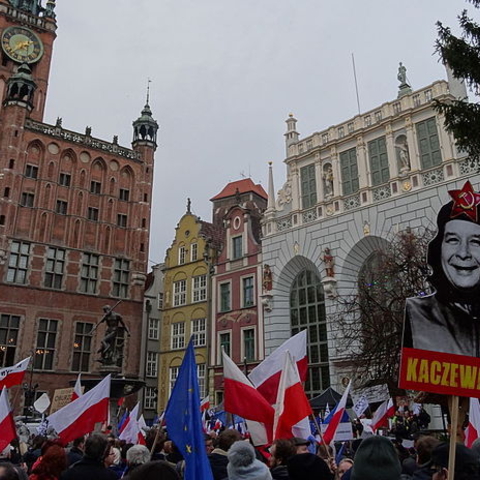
[226,74]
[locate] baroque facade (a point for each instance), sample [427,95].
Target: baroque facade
[74,217]
[186,301]
[237,313]
[348,189]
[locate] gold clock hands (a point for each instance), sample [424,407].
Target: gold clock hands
[22,45]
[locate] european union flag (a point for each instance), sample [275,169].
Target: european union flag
[184,420]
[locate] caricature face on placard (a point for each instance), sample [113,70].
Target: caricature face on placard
[441,337]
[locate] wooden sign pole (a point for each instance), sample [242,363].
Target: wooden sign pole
[453,435]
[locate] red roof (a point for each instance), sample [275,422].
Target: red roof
[243,186]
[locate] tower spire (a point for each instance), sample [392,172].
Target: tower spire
[148,90]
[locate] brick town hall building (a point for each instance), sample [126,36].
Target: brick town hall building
[74,217]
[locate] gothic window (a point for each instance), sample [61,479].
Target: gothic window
[62,207]
[377,152]
[307,312]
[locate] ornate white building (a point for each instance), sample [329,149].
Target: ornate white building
[348,189]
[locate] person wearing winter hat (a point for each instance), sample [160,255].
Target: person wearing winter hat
[242,464]
[466,463]
[376,459]
[307,466]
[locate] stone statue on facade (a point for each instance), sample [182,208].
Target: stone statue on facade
[329,261]
[267,281]
[111,350]
[402,74]
[328,181]
[404,87]
[403,157]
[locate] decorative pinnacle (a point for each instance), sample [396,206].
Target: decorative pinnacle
[270,163]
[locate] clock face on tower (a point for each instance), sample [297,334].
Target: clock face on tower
[22,45]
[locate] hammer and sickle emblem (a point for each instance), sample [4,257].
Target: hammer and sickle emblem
[469,200]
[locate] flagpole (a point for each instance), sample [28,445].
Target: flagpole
[319,430]
[156,439]
[453,401]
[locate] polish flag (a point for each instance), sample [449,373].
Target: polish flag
[241,398]
[329,434]
[77,390]
[382,414]
[205,403]
[80,416]
[13,375]
[472,432]
[8,431]
[131,430]
[292,404]
[266,375]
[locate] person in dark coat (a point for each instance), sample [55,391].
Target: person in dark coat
[424,446]
[218,458]
[75,454]
[91,466]
[281,451]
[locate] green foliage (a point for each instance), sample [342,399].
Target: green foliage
[462,54]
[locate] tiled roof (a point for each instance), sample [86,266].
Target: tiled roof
[245,185]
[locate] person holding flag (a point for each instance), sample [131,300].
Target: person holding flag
[184,421]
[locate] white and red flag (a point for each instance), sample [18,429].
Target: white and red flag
[8,431]
[205,404]
[11,376]
[340,408]
[382,414]
[266,375]
[472,432]
[80,416]
[292,404]
[131,432]
[242,399]
[77,390]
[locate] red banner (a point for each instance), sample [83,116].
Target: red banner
[443,373]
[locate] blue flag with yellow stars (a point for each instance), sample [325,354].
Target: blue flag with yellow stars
[184,420]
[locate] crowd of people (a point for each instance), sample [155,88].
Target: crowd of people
[232,457]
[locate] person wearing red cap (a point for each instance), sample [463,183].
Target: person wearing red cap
[448,320]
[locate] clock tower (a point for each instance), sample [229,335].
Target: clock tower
[27,33]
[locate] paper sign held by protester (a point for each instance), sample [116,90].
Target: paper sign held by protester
[441,341]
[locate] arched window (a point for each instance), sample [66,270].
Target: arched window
[307,311]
